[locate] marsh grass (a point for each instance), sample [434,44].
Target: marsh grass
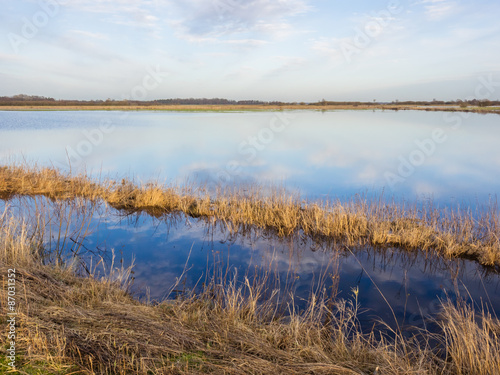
[471,340]
[251,108]
[73,322]
[359,221]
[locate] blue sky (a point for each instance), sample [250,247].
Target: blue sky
[291,50]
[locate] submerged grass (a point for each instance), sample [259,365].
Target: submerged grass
[447,232]
[71,322]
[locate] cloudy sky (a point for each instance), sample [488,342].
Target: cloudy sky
[293,50]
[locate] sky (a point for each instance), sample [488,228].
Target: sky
[288,50]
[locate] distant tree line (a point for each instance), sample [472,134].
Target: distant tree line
[204,101]
[458,102]
[33,100]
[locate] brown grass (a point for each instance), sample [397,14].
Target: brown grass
[205,108]
[68,324]
[471,340]
[449,233]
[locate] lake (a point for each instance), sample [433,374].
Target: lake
[449,158]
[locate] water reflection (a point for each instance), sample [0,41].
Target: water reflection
[174,254]
[319,153]
[392,284]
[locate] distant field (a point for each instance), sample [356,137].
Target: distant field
[203,108]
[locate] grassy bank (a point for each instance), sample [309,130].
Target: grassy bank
[446,232]
[230,108]
[72,321]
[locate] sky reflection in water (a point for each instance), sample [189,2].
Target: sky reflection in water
[410,283]
[317,153]
[332,154]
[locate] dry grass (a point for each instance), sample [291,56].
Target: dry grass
[69,324]
[225,108]
[472,340]
[449,233]
[90,325]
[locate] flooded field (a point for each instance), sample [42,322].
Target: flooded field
[318,154]
[353,226]
[176,254]
[411,155]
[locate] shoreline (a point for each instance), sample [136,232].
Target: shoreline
[71,320]
[447,233]
[250,108]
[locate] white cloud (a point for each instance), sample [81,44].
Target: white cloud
[438,9]
[88,34]
[133,13]
[246,43]
[427,188]
[9,58]
[131,18]
[242,73]
[330,47]
[106,6]
[368,174]
[217,18]
[287,64]
[367,31]
[84,47]
[473,34]
[277,172]
[279,30]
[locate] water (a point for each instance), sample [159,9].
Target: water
[447,157]
[409,284]
[176,254]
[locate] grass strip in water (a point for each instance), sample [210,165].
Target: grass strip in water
[359,221]
[74,323]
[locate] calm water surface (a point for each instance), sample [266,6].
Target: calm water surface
[176,254]
[444,156]
[447,157]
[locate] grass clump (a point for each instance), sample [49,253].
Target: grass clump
[449,233]
[471,340]
[79,322]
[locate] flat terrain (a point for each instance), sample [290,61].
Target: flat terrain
[202,108]
[73,320]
